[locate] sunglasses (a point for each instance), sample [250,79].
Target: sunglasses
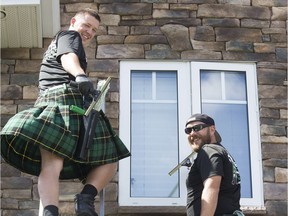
[196,128]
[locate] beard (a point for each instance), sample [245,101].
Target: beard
[202,140]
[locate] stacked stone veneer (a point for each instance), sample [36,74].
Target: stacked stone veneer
[211,30]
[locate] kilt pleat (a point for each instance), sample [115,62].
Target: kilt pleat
[52,126]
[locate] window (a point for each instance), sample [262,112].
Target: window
[156,98]
[153,101]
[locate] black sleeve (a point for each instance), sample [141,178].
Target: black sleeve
[69,42]
[210,163]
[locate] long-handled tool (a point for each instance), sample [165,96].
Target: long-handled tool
[100,93]
[185,162]
[93,103]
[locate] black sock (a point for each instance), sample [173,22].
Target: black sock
[53,210]
[89,189]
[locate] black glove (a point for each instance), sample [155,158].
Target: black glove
[85,85]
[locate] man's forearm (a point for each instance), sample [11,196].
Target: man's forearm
[210,193]
[209,201]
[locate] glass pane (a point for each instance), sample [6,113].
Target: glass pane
[235,83]
[210,85]
[141,87]
[154,143]
[231,118]
[232,123]
[165,86]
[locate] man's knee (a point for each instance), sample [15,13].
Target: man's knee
[50,160]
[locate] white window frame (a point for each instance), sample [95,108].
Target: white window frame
[253,119]
[188,91]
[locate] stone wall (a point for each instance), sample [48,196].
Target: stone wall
[211,30]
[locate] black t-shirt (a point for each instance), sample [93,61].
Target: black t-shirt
[51,72]
[213,159]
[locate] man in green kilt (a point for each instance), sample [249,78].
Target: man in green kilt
[43,140]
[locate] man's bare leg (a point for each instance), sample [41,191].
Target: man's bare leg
[96,180]
[102,175]
[48,181]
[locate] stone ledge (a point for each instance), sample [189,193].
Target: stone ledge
[253,210]
[151,209]
[248,210]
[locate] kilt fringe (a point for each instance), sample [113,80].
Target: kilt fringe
[52,126]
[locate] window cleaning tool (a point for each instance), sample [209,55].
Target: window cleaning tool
[93,103]
[185,162]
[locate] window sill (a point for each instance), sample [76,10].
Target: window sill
[178,210]
[253,210]
[152,209]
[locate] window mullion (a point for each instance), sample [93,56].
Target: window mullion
[223,86]
[154,83]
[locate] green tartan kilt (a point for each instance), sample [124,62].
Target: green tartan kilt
[52,126]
